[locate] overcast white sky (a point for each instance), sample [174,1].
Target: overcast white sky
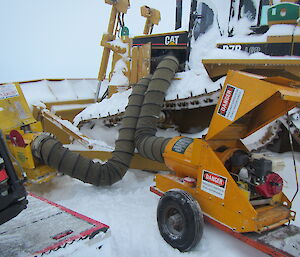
[60,38]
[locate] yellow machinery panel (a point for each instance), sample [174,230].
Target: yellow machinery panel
[217,163]
[20,128]
[14,108]
[225,205]
[250,102]
[218,194]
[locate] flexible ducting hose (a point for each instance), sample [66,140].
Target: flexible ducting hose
[148,145]
[51,152]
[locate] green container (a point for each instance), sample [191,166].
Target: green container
[283,13]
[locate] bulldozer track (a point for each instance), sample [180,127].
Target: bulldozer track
[193,102]
[271,135]
[276,133]
[268,140]
[189,103]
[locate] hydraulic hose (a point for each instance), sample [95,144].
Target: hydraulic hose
[50,151]
[148,145]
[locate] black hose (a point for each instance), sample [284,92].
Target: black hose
[138,127]
[148,145]
[52,152]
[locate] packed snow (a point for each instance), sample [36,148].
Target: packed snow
[42,45]
[44,91]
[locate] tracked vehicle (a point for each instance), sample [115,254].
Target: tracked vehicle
[225,23]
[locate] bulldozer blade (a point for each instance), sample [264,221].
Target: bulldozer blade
[46,226]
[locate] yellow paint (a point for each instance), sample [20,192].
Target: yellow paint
[36,126]
[261,102]
[15,114]
[229,201]
[14,109]
[220,67]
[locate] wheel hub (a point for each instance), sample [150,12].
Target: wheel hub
[175,222]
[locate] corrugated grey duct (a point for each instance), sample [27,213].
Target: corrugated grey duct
[52,153]
[148,145]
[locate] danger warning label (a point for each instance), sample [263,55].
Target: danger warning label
[213,184]
[230,102]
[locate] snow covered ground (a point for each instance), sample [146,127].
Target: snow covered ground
[52,39]
[129,208]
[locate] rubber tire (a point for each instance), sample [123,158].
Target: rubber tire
[192,217]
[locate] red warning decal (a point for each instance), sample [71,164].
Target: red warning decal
[213,183]
[226,100]
[217,180]
[230,102]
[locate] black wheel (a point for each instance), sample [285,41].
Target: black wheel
[180,220]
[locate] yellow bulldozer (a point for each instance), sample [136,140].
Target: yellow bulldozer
[141,54]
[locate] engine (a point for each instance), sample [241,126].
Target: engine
[254,174]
